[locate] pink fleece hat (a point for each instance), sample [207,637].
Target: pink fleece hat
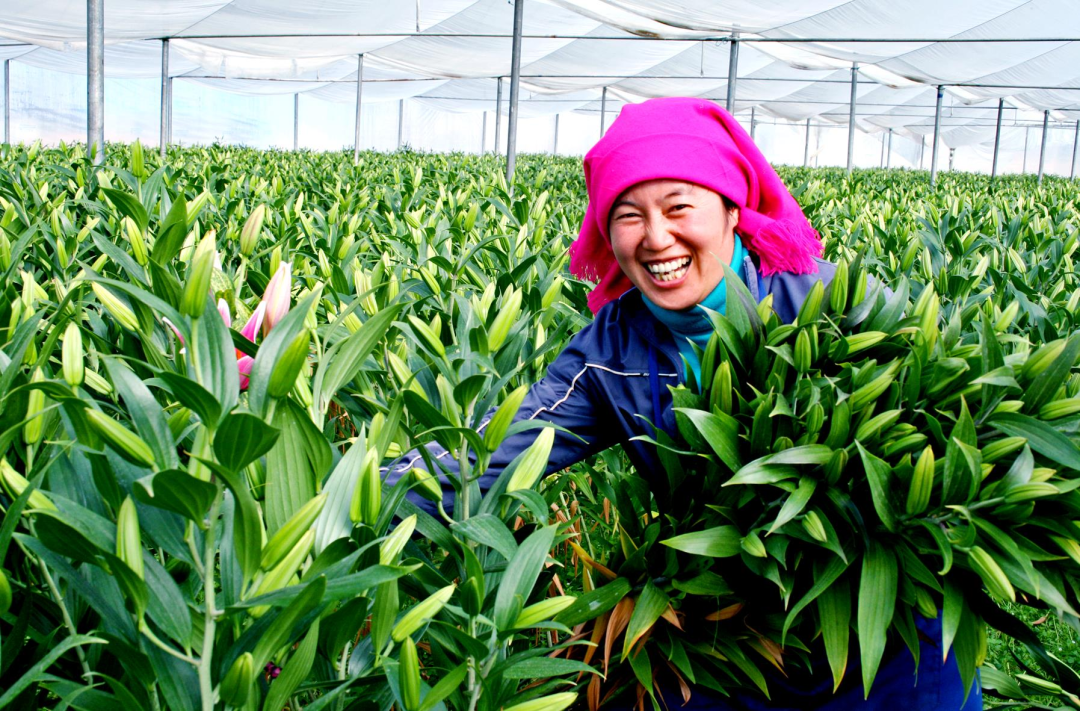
[697,141]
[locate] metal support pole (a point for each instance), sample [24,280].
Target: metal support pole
[359,104]
[952,157]
[163,140]
[997,139]
[806,151]
[1027,137]
[882,163]
[1042,149]
[7,102]
[888,151]
[296,122]
[400,120]
[922,150]
[937,132]
[515,82]
[733,70]
[753,124]
[95,80]
[483,135]
[1076,142]
[555,148]
[498,115]
[169,117]
[603,112]
[851,116]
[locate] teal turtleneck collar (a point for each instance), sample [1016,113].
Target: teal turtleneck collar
[692,324]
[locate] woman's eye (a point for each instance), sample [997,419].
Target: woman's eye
[679,206]
[626,215]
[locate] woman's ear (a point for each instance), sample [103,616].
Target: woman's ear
[733,215]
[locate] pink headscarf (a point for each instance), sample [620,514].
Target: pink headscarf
[697,141]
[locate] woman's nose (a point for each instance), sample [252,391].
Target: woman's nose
[658,235]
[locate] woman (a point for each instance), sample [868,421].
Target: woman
[675,187]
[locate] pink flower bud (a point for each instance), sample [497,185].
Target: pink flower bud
[254,324]
[243,365]
[174,329]
[223,309]
[277,297]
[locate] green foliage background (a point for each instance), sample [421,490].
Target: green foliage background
[428,292]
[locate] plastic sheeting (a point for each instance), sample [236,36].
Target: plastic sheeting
[444,56]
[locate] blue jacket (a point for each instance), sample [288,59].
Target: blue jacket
[610,382]
[606,386]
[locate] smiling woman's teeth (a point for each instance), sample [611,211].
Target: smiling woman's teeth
[669,271]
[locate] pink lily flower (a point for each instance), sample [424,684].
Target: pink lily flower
[277,297]
[251,328]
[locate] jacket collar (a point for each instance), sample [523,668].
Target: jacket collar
[641,320]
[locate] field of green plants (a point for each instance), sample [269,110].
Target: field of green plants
[206,364]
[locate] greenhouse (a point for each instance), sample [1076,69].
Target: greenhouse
[533,355]
[435,74]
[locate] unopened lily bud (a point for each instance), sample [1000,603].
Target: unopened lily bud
[71,355]
[533,462]
[392,288]
[395,542]
[277,297]
[367,494]
[505,318]
[812,525]
[552,293]
[236,686]
[138,241]
[924,602]
[91,223]
[302,390]
[922,483]
[352,322]
[97,383]
[249,235]
[409,667]
[126,443]
[200,272]
[421,613]
[280,575]
[286,537]
[275,259]
[426,485]
[543,610]
[803,352]
[5,593]
[34,429]
[500,421]
[129,538]
[751,543]
[552,702]
[283,376]
[811,308]
[5,251]
[15,484]
[1008,314]
[195,206]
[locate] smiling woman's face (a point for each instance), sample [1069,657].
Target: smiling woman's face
[670,237]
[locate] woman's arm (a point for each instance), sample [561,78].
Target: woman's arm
[564,397]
